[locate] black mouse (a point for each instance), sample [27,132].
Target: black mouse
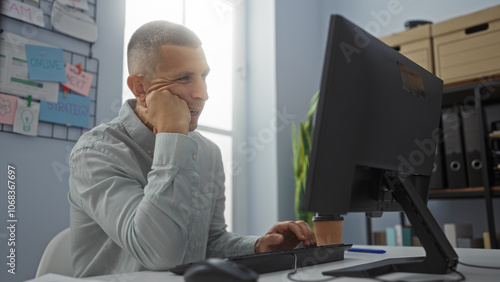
[219,270]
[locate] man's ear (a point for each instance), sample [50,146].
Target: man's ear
[136,85]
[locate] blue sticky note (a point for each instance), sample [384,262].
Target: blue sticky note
[74,110]
[45,63]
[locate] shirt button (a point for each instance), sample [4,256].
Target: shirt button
[194,156]
[195,194]
[149,151]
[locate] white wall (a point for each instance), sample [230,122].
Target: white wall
[299,62]
[42,207]
[261,145]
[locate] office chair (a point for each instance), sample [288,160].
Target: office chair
[57,256]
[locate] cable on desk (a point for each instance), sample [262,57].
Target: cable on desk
[479,266]
[289,276]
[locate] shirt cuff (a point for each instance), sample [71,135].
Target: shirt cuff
[176,150]
[247,245]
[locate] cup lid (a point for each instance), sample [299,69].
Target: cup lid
[327,217]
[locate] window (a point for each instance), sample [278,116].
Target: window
[213,21]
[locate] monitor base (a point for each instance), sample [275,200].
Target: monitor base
[378,268]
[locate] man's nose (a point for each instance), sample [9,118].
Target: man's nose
[200,91]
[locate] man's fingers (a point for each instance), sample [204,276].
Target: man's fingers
[274,239]
[141,110]
[303,232]
[297,230]
[307,231]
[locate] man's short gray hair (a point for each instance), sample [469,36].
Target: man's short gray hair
[142,49]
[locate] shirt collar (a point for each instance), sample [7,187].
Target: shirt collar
[137,130]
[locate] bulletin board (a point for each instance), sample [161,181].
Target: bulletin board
[86,63]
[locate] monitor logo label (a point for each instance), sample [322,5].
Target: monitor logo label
[411,81]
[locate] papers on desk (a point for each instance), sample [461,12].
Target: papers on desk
[51,277]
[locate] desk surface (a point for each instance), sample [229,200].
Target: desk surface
[471,256]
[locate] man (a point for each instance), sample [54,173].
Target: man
[146,189]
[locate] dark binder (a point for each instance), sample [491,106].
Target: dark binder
[472,146]
[453,149]
[437,180]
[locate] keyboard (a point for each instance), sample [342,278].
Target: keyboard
[283,260]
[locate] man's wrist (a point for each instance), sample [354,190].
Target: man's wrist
[257,246]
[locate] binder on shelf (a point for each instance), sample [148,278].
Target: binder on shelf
[464,242]
[495,134]
[487,240]
[453,149]
[437,180]
[455,231]
[472,147]
[390,236]
[407,236]
[379,238]
[494,137]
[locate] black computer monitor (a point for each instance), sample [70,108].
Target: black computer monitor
[375,132]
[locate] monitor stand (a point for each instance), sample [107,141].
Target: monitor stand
[440,256]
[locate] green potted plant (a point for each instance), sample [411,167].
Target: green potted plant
[301,146]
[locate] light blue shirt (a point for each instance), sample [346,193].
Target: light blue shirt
[140,201]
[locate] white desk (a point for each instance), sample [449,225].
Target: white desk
[471,256]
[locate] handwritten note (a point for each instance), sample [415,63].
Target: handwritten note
[80,4]
[78,82]
[26,118]
[45,63]
[74,110]
[14,70]
[8,106]
[23,12]
[72,22]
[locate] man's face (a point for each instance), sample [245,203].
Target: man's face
[183,70]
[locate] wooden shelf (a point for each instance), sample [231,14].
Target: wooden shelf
[462,193]
[464,93]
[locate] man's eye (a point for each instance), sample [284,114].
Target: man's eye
[183,78]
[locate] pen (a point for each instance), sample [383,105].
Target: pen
[361,250]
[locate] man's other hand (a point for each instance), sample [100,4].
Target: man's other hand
[285,236]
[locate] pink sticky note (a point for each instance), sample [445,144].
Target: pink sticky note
[78,82]
[8,106]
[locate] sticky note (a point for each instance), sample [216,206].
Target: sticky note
[74,110]
[78,82]
[26,118]
[8,106]
[45,63]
